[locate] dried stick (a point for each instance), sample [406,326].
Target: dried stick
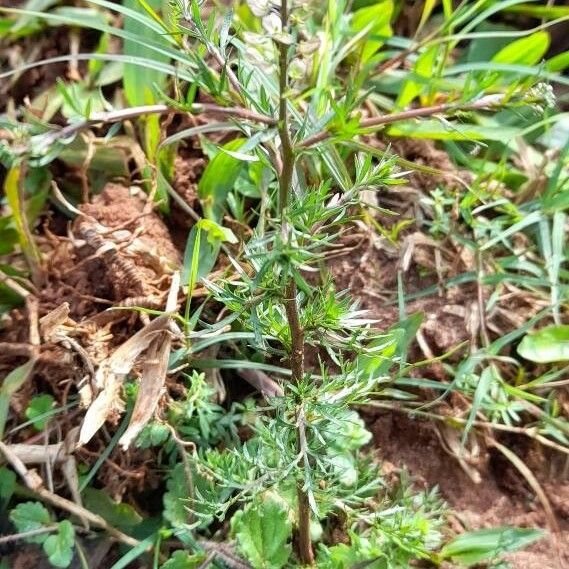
[136,112]
[33,481]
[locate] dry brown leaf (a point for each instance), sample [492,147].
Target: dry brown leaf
[112,372]
[151,387]
[155,339]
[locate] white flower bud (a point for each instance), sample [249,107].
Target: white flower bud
[259,7]
[272,24]
[297,69]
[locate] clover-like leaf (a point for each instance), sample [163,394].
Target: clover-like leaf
[263,531]
[59,546]
[37,409]
[182,560]
[30,516]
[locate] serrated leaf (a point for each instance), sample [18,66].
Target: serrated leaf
[59,547]
[30,516]
[263,531]
[39,406]
[475,547]
[550,344]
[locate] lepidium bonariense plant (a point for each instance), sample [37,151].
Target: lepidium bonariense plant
[303,464]
[293,78]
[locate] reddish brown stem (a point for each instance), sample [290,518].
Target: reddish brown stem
[287,157]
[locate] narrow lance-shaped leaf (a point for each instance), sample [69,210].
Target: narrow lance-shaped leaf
[11,383]
[138,82]
[475,547]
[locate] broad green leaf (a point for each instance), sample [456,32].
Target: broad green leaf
[38,407]
[117,514]
[7,485]
[418,79]
[263,531]
[525,51]
[484,48]
[182,560]
[218,179]
[378,358]
[138,82]
[475,547]
[29,516]
[377,18]
[11,383]
[153,434]
[550,344]
[59,546]
[178,506]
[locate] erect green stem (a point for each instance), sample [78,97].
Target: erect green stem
[296,332]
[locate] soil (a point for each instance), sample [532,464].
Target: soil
[500,499]
[370,268]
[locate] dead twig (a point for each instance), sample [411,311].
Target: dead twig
[134,112]
[34,482]
[26,534]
